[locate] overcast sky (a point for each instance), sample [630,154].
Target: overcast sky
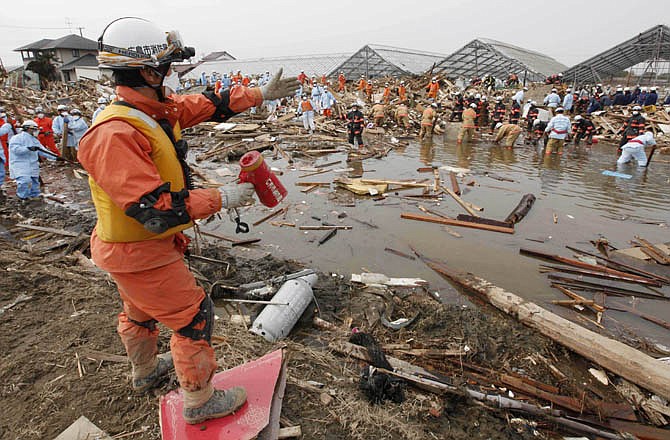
[567,30]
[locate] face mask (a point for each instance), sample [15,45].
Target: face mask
[40,115]
[170,83]
[76,118]
[102,106]
[63,114]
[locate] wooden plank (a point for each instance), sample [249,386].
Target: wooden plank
[482,220]
[597,274]
[270,216]
[454,183]
[657,254]
[52,230]
[623,308]
[234,241]
[581,264]
[615,356]
[459,201]
[290,432]
[400,254]
[454,222]
[412,184]
[312,183]
[324,227]
[633,269]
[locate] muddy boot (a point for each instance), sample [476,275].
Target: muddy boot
[220,404]
[163,366]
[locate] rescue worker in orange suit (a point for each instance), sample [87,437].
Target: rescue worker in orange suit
[427,121]
[46,136]
[584,129]
[362,84]
[377,111]
[402,116]
[508,132]
[341,82]
[356,120]
[369,89]
[387,93]
[433,88]
[302,77]
[141,188]
[468,128]
[237,77]
[402,92]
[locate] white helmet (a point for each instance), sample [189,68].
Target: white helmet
[554,90]
[75,111]
[619,89]
[133,43]
[434,105]
[61,108]
[626,89]
[578,118]
[653,89]
[560,110]
[568,90]
[637,108]
[102,100]
[484,98]
[29,124]
[39,110]
[478,96]
[525,89]
[473,105]
[644,89]
[498,125]
[498,98]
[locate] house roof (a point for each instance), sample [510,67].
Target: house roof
[374,60]
[651,44]
[218,56]
[71,41]
[311,64]
[485,56]
[88,60]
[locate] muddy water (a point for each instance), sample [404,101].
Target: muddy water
[588,205]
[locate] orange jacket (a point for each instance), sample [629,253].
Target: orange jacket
[302,77]
[217,86]
[324,80]
[341,79]
[433,87]
[387,92]
[245,81]
[428,116]
[306,106]
[235,78]
[469,116]
[117,157]
[402,93]
[46,136]
[362,84]
[368,89]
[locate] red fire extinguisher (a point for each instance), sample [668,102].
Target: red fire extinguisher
[269,189]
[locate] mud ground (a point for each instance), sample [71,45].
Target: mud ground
[48,380]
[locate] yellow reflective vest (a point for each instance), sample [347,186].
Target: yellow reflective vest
[113,223]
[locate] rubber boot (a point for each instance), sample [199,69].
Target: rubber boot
[163,366]
[220,404]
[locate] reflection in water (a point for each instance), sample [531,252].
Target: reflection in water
[577,173]
[357,166]
[427,151]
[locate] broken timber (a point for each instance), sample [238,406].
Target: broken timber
[459,201]
[454,222]
[615,356]
[582,265]
[521,209]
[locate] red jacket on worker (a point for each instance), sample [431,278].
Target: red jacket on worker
[46,135]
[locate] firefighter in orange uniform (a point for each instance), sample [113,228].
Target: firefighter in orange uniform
[387,93]
[342,82]
[141,188]
[362,84]
[46,136]
[402,92]
[433,88]
[369,89]
[302,77]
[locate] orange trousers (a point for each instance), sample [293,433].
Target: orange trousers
[170,295]
[327,112]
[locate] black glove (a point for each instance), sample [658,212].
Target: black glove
[33,148]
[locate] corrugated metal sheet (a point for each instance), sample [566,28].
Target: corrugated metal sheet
[311,64]
[536,61]
[485,56]
[375,60]
[651,44]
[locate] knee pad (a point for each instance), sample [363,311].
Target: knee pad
[206,314]
[149,325]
